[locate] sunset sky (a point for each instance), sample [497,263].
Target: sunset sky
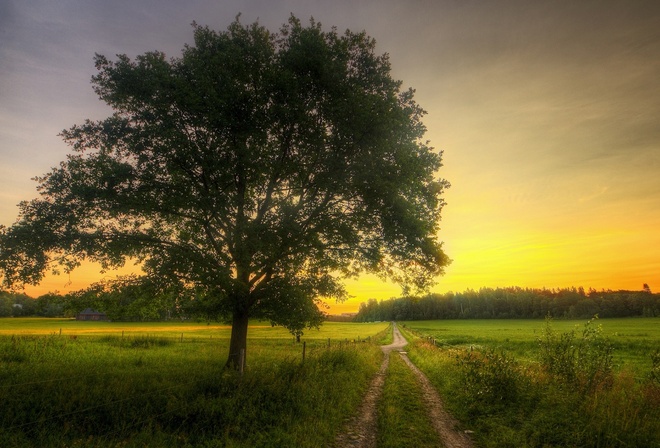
[548,113]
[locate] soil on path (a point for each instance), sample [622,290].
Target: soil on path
[361,431]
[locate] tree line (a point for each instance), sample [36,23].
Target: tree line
[513,303]
[130,299]
[126,299]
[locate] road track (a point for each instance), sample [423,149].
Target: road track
[361,431]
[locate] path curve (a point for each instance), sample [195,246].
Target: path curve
[361,431]
[399,341]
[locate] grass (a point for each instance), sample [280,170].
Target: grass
[493,379]
[633,339]
[92,387]
[402,416]
[45,326]
[109,384]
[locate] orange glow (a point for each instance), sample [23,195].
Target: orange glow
[510,254]
[80,278]
[551,149]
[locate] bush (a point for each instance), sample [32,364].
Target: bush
[491,377]
[585,362]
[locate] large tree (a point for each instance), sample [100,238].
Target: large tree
[259,168]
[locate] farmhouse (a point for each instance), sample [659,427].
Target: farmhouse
[90,314]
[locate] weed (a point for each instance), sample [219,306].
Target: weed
[12,351]
[491,377]
[147,341]
[654,375]
[585,362]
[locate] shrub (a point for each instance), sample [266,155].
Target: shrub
[491,376]
[584,362]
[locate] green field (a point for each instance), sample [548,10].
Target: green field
[258,330]
[108,384]
[588,385]
[633,339]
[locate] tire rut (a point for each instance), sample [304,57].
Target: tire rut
[361,431]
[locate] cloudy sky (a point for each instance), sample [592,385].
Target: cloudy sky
[548,113]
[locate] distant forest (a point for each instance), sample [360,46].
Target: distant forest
[514,303]
[120,300]
[131,302]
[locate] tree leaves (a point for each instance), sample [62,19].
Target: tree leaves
[258,167]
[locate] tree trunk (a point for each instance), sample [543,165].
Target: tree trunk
[238,341]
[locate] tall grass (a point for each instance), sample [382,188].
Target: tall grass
[154,390]
[565,394]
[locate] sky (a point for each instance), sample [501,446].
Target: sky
[547,112]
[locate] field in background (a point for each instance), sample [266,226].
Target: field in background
[633,339]
[70,327]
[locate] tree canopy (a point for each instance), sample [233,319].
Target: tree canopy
[258,168]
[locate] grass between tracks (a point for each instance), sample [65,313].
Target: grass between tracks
[159,389]
[403,419]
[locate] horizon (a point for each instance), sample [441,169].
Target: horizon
[547,114]
[354,307]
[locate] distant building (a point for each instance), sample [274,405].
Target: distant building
[90,314]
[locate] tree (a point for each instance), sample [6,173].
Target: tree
[258,168]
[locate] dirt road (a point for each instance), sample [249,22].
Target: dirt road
[361,431]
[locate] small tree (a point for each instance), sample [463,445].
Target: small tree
[259,168]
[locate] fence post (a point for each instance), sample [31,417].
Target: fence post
[241,361]
[181,337]
[60,332]
[328,342]
[304,349]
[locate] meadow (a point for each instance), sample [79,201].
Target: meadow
[107,384]
[633,339]
[514,383]
[530,383]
